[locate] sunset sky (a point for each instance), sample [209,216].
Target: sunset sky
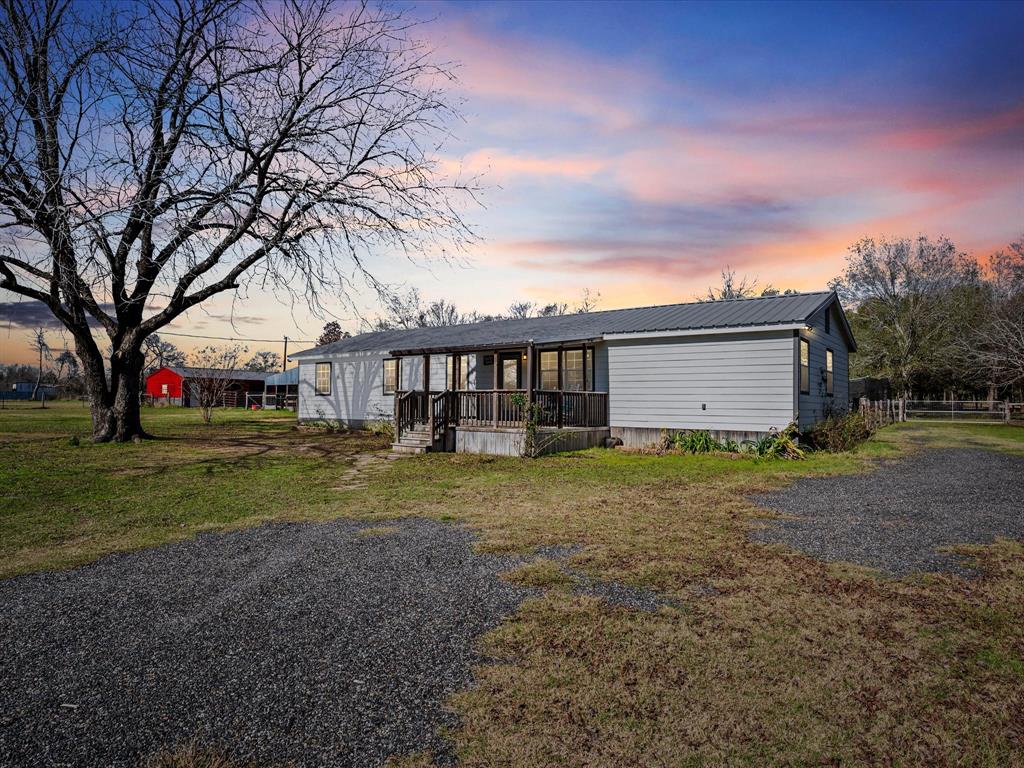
[636,149]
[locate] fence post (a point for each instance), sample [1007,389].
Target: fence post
[1006,411]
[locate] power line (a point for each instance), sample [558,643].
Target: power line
[232,338]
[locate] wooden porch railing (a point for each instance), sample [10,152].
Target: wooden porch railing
[411,408]
[495,408]
[572,409]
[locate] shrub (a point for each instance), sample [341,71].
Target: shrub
[840,433]
[382,428]
[776,445]
[699,441]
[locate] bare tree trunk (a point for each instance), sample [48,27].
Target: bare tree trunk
[116,407]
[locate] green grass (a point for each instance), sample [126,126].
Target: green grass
[65,504]
[774,659]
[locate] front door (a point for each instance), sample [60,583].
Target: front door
[511,371]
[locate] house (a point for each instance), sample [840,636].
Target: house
[737,368]
[175,385]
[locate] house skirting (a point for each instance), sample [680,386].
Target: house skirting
[646,437]
[509,442]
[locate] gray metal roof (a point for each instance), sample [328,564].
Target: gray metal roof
[291,376]
[187,372]
[729,313]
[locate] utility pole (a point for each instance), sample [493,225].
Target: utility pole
[284,360]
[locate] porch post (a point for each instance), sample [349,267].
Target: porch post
[497,381]
[529,374]
[426,373]
[561,394]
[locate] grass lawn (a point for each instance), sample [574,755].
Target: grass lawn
[774,658]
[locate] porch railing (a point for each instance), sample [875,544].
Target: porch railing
[411,408]
[499,408]
[572,409]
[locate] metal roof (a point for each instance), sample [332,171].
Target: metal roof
[187,372]
[758,312]
[291,376]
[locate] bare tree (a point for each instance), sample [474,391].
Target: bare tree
[589,301]
[211,374]
[518,310]
[994,343]
[41,346]
[155,155]
[731,288]
[905,295]
[264,360]
[67,373]
[160,353]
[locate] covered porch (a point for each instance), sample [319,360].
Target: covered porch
[483,404]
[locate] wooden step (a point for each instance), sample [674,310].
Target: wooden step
[405,449]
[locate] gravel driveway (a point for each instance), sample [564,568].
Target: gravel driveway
[896,517]
[302,643]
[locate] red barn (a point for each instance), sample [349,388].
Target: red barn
[171,386]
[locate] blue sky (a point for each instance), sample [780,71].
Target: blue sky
[636,149]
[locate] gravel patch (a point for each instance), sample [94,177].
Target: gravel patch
[304,643]
[896,517]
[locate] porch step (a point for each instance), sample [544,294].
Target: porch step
[404,449]
[415,440]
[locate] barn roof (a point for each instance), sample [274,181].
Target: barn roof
[291,376]
[760,312]
[188,372]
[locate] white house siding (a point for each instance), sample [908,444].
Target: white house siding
[817,405]
[357,395]
[733,385]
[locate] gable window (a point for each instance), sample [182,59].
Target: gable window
[805,367]
[828,320]
[390,376]
[549,370]
[829,378]
[322,383]
[573,375]
[457,376]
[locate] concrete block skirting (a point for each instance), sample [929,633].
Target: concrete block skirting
[645,437]
[509,442]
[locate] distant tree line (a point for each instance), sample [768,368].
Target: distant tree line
[63,369]
[933,320]
[409,310]
[927,316]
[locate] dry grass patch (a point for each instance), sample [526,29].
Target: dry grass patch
[774,659]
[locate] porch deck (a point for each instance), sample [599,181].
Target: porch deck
[494,420]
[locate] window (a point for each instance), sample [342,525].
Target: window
[828,320]
[390,376]
[829,379]
[805,367]
[549,370]
[457,376]
[322,385]
[163,389]
[573,377]
[510,371]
